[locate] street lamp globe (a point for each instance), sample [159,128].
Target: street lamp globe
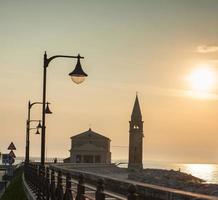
[78,75]
[77,79]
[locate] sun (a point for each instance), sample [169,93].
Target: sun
[202,79]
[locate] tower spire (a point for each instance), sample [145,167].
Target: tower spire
[135,137]
[136,112]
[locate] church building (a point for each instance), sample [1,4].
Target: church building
[136,137]
[89,147]
[92,147]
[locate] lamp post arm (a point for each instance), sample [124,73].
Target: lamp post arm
[48,60]
[37,102]
[34,120]
[31,104]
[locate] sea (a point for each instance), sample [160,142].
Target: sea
[207,172]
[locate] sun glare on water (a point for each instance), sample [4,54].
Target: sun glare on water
[203,171]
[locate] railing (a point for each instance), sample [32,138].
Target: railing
[119,185]
[48,184]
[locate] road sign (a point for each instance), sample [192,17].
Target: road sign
[11,160]
[5,158]
[12,154]
[12,146]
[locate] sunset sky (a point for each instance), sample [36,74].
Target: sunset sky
[166,50]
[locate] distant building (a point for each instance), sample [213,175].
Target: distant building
[135,137]
[89,147]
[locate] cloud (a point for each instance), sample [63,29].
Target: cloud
[207,48]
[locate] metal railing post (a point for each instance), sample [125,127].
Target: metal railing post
[80,188]
[43,183]
[47,184]
[52,186]
[132,193]
[39,180]
[59,189]
[99,194]
[68,193]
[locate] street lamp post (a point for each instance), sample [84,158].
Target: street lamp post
[28,127]
[37,133]
[77,76]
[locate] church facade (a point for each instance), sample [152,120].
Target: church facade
[89,147]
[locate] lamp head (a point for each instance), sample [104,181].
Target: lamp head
[47,109]
[39,125]
[37,132]
[78,75]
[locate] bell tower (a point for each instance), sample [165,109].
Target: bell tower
[135,137]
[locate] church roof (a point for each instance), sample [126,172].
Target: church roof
[89,134]
[136,112]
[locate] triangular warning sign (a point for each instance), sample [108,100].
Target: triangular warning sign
[11,146]
[12,154]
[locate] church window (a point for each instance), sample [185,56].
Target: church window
[78,158]
[135,127]
[97,159]
[88,158]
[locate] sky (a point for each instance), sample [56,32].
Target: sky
[152,47]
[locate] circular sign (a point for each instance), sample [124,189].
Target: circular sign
[11,160]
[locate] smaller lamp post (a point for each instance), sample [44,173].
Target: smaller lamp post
[37,132]
[47,111]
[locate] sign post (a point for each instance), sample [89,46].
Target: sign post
[11,158]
